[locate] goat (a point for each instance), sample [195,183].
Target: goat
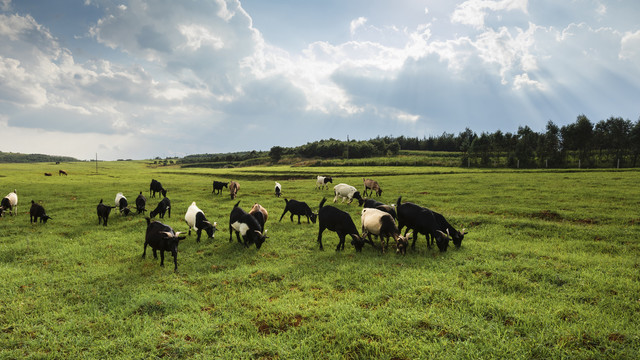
[234,186]
[371,185]
[62,172]
[162,237]
[348,192]
[103,212]
[245,224]
[163,206]
[156,187]
[422,221]
[37,211]
[444,226]
[340,222]
[323,181]
[371,203]
[48,174]
[197,221]
[380,223]
[299,208]
[122,204]
[278,189]
[260,213]
[141,203]
[218,185]
[10,202]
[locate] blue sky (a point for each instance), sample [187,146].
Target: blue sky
[139,79]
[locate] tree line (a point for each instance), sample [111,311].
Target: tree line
[8,157]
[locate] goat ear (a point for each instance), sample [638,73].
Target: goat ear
[464,231]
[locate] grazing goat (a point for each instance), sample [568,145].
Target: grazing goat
[278,189]
[141,203]
[245,224]
[380,223]
[340,222]
[445,227]
[197,221]
[48,174]
[103,213]
[260,213]
[422,221]
[218,185]
[371,185]
[37,211]
[323,181]
[299,208]
[163,206]
[122,204]
[156,187]
[10,202]
[62,172]
[162,237]
[347,192]
[234,186]
[371,203]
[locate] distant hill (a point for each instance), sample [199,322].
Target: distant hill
[8,157]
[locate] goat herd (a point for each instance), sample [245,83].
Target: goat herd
[377,219]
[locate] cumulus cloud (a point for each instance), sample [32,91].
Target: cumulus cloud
[355,24]
[474,12]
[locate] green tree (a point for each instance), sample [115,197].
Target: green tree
[276,153]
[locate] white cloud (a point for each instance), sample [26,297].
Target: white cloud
[355,24]
[474,12]
[630,47]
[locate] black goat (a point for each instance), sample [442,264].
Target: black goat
[141,203]
[422,221]
[163,206]
[103,213]
[339,221]
[156,187]
[445,227]
[218,185]
[162,237]
[299,208]
[37,211]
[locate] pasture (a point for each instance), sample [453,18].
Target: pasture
[550,268]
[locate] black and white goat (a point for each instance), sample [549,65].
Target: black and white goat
[163,207]
[122,204]
[10,203]
[278,189]
[197,221]
[37,211]
[380,223]
[156,187]
[347,192]
[245,224]
[340,222]
[299,208]
[323,181]
[422,221]
[162,237]
[103,212]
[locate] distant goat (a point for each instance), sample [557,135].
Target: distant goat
[162,237]
[156,187]
[122,204]
[234,186]
[103,213]
[141,203]
[48,174]
[37,211]
[278,189]
[62,172]
[323,181]
[163,206]
[371,185]
[245,224]
[339,221]
[197,221]
[218,185]
[299,208]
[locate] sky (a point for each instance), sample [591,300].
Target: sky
[137,79]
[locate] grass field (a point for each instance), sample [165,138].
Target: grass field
[550,269]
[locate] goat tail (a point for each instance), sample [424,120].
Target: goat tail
[148,221]
[236,205]
[399,201]
[324,199]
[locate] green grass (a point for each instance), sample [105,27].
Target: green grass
[550,269]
